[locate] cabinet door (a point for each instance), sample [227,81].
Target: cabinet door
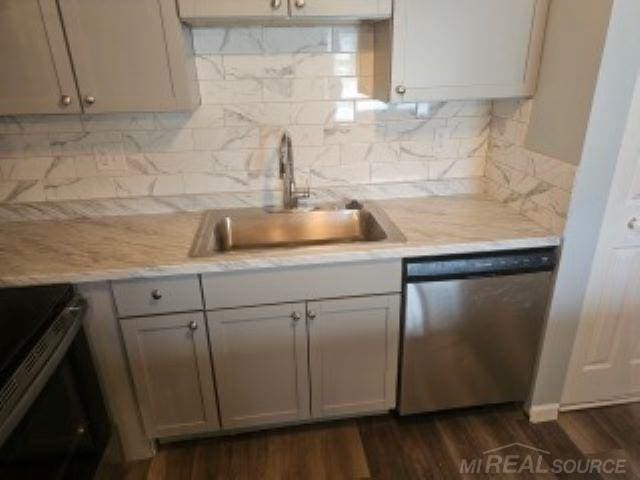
[457,49]
[171,369]
[36,69]
[194,10]
[353,354]
[339,8]
[128,56]
[260,358]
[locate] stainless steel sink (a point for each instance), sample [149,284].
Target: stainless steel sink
[223,231]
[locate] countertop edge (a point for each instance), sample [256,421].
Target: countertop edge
[396,251]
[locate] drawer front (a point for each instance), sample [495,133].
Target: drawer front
[157,295]
[237,289]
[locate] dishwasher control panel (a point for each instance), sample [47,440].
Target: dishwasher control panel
[487,263]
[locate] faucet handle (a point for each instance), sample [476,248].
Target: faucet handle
[304,192]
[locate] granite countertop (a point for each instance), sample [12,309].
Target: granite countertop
[110,248]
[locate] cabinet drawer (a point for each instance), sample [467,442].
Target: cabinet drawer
[157,295]
[236,289]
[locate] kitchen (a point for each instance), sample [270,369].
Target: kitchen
[289,222]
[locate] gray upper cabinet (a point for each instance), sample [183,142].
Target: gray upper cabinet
[337,9]
[127,57]
[203,12]
[36,72]
[459,49]
[171,369]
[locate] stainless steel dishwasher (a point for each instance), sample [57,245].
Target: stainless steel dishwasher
[471,329]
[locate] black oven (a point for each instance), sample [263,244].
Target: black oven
[53,423]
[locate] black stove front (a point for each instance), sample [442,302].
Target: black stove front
[53,423]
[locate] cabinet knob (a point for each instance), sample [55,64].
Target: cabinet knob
[401,89]
[633,224]
[193,325]
[65,100]
[311,315]
[276,4]
[156,294]
[89,100]
[300,3]
[295,316]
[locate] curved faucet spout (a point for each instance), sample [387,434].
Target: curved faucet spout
[290,194]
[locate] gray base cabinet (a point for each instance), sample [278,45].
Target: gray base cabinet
[171,369]
[269,347]
[265,375]
[260,358]
[353,351]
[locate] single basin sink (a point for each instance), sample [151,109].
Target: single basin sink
[223,231]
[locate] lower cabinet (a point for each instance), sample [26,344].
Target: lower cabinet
[353,354]
[290,362]
[272,364]
[171,369]
[260,358]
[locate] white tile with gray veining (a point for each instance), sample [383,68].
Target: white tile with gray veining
[534,184]
[255,82]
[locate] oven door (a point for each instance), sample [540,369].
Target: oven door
[59,429]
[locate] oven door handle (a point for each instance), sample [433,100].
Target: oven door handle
[75,311]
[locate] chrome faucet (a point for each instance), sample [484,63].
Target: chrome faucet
[290,194]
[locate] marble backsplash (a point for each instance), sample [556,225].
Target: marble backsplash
[536,185]
[255,82]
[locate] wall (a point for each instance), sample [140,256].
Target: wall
[255,82]
[573,45]
[534,184]
[613,95]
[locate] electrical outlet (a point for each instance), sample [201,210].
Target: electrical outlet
[109,157]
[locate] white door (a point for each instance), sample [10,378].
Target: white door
[605,362]
[260,362]
[171,368]
[353,354]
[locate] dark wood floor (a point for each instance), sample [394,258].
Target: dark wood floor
[390,447]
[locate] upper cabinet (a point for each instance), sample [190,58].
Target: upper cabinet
[199,11]
[36,72]
[332,9]
[126,56]
[202,12]
[459,49]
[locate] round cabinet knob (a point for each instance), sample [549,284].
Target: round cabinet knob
[276,4]
[401,89]
[634,224]
[65,100]
[156,294]
[295,316]
[300,3]
[193,325]
[89,100]
[311,315]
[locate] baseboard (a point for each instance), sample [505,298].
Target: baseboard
[543,413]
[599,403]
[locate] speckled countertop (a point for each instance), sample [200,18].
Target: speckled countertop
[110,248]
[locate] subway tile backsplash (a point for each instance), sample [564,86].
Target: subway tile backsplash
[255,82]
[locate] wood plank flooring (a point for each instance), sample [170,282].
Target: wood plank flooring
[389,447]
